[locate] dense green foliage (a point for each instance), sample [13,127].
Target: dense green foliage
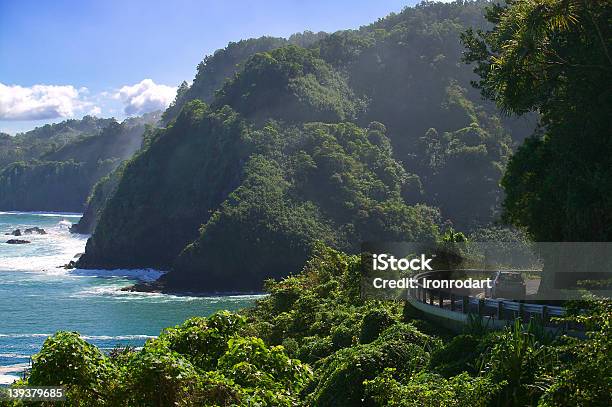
[55,166]
[190,173]
[215,69]
[314,342]
[327,182]
[289,84]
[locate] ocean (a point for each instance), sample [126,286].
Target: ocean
[38,297]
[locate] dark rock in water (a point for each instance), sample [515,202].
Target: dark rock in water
[28,231]
[17,241]
[36,230]
[145,287]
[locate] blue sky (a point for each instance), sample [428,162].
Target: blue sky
[66,58]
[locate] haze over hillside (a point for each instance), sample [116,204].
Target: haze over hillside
[367,134]
[54,167]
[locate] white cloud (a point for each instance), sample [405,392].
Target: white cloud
[145,96]
[40,102]
[95,111]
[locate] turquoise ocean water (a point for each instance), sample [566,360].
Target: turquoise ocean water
[38,298]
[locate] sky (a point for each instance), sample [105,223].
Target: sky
[116,58]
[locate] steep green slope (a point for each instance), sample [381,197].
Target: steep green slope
[167,191]
[254,190]
[330,182]
[212,73]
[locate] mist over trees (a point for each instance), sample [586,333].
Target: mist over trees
[363,134]
[215,69]
[54,167]
[45,139]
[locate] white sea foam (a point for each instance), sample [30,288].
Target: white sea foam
[8,379]
[86,337]
[115,290]
[17,367]
[46,253]
[5,372]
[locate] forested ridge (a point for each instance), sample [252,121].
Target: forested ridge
[367,134]
[54,167]
[47,138]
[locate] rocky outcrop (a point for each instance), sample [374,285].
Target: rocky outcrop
[16,232]
[35,231]
[17,241]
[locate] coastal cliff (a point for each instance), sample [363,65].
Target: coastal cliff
[368,134]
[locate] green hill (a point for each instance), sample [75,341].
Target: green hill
[368,134]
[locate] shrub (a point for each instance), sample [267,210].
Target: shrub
[342,336]
[159,377]
[250,363]
[66,359]
[457,356]
[582,375]
[516,357]
[341,376]
[203,340]
[430,390]
[316,348]
[374,322]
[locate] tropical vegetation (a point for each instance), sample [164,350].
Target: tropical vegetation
[313,341]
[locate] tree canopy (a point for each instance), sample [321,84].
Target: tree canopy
[553,57]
